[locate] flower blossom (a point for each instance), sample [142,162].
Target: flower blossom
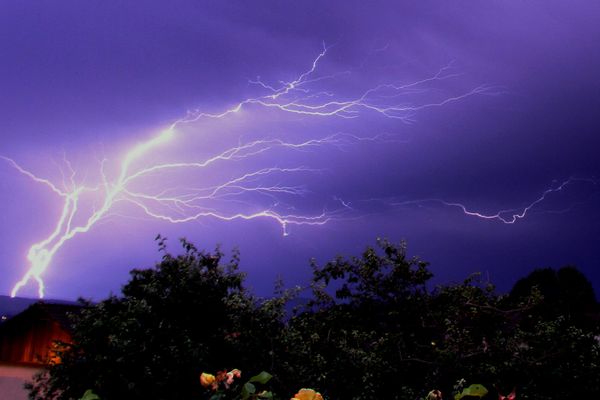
[434,395]
[307,394]
[234,373]
[207,380]
[213,382]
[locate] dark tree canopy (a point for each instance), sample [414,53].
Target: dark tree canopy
[170,323]
[372,329]
[566,292]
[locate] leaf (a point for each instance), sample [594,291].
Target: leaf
[265,395]
[261,378]
[89,395]
[475,390]
[247,390]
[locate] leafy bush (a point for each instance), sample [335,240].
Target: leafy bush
[188,314]
[372,330]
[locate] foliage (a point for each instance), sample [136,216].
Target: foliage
[356,343]
[375,331]
[89,395]
[567,294]
[474,390]
[189,313]
[374,328]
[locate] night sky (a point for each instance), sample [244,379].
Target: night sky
[411,108]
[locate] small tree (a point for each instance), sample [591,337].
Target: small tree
[374,331]
[360,336]
[171,322]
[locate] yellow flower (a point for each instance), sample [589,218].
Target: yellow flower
[207,380]
[307,394]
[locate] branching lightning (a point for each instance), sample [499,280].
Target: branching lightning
[180,205]
[506,216]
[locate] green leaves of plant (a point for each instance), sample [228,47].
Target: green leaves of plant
[261,378]
[248,390]
[475,390]
[89,395]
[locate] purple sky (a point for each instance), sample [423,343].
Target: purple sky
[88,81]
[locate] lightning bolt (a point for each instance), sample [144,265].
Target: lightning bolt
[180,205]
[506,216]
